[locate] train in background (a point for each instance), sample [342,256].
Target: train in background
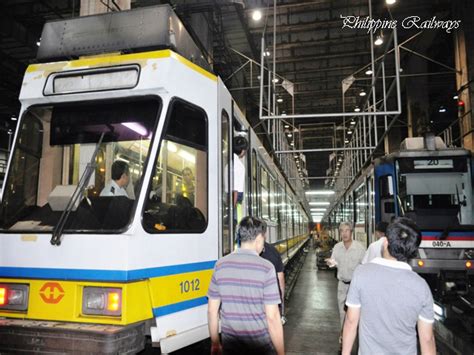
[83,271]
[432,185]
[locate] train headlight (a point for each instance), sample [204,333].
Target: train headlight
[468,264]
[421,263]
[14,297]
[102,301]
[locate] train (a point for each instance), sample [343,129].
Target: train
[80,271]
[431,184]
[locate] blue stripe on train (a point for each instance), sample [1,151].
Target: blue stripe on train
[451,234]
[103,275]
[180,306]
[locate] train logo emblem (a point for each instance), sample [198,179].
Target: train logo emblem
[51,292]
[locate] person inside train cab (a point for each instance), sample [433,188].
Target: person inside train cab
[240,147]
[244,293]
[375,248]
[187,187]
[119,182]
[346,256]
[390,301]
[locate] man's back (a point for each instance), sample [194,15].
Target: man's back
[245,283]
[392,299]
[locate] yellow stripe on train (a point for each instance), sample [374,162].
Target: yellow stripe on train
[56,300]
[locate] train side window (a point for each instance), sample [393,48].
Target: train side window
[254,184]
[386,186]
[177,198]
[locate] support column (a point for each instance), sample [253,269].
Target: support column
[463,50]
[93,7]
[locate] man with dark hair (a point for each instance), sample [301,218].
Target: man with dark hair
[390,300]
[240,147]
[270,253]
[375,248]
[244,291]
[120,179]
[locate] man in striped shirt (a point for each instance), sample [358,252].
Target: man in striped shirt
[245,288]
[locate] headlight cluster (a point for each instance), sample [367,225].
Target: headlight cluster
[14,297]
[102,301]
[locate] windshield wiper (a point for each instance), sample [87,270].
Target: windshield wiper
[78,192]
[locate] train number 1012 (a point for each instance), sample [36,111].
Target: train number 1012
[187,286]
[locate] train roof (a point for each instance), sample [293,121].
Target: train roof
[420,153]
[144,29]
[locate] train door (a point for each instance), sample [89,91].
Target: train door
[225,170]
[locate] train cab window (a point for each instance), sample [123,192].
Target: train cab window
[73,147]
[387,201]
[177,198]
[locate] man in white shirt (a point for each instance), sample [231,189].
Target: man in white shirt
[346,255]
[120,179]
[240,147]
[375,248]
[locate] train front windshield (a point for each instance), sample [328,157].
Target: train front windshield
[56,144]
[436,193]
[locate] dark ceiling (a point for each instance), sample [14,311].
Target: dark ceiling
[313,51]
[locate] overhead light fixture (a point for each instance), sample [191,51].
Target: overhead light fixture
[318,209]
[379,40]
[320,203]
[13,118]
[256,15]
[369,72]
[346,141]
[289,135]
[455,97]
[352,120]
[266,53]
[292,144]
[320,192]
[390,2]
[38,42]
[362,93]
[442,109]
[357,109]
[276,80]
[280,100]
[287,126]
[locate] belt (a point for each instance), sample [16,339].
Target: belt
[345,282]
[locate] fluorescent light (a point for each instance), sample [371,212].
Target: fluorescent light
[256,15]
[362,93]
[357,109]
[318,209]
[289,135]
[287,126]
[320,192]
[187,156]
[390,2]
[321,203]
[172,147]
[276,80]
[13,118]
[455,97]
[280,100]
[136,127]
[368,72]
[379,41]
[442,109]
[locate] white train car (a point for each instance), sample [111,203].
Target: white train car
[83,271]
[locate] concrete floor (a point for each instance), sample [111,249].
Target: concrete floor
[313,322]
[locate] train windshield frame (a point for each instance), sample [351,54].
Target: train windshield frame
[435,192]
[57,143]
